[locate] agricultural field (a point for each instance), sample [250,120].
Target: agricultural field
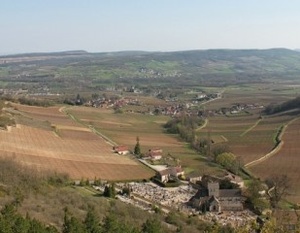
[126,127]
[285,161]
[251,136]
[248,137]
[262,94]
[68,148]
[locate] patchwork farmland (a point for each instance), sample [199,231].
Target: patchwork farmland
[252,136]
[285,161]
[124,128]
[249,137]
[69,148]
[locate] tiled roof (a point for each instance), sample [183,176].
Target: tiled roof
[230,192]
[120,148]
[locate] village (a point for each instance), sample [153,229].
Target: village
[171,190]
[173,107]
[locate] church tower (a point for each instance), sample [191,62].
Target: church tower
[213,189]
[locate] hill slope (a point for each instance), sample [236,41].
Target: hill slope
[185,68]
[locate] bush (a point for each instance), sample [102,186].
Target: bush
[228,161]
[6,121]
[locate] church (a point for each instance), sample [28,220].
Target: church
[210,197]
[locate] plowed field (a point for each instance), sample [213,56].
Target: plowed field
[71,148]
[286,161]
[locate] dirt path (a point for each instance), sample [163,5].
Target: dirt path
[95,131]
[202,126]
[249,129]
[274,151]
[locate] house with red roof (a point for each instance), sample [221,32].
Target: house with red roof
[121,150]
[154,154]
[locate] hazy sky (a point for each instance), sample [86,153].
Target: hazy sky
[150,25]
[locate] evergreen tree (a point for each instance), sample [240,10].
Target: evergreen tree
[107,191]
[36,227]
[137,148]
[111,225]
[91,222]
[12,222]
[8,217]
[51,229]
[113,190]
[152,226]
[21,225]
[110,191]
[72,224]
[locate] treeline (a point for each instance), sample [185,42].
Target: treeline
[185,126]
[285,106]
[28,101]
[34,102]
[75,101]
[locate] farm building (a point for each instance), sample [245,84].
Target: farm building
[211,198]
[169,173]
[121,150]
[193,178]
[154,154]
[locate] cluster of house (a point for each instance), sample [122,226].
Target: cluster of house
[163,173]
[102,102]
[205,97]
[209,196]
[152,154]
[237,108]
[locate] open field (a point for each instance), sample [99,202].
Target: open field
[285,161]
[71,148]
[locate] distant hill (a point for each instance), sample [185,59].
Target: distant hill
[61,53]
[216,67]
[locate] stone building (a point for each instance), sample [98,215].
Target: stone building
[211,198]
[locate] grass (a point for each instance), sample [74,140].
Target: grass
[86,191]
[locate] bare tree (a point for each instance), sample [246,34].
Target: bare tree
[279,188]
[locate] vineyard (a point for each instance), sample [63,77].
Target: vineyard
[285,161]
[69,148]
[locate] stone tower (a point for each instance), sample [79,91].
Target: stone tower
[213,189]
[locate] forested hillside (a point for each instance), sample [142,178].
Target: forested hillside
[293,104]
